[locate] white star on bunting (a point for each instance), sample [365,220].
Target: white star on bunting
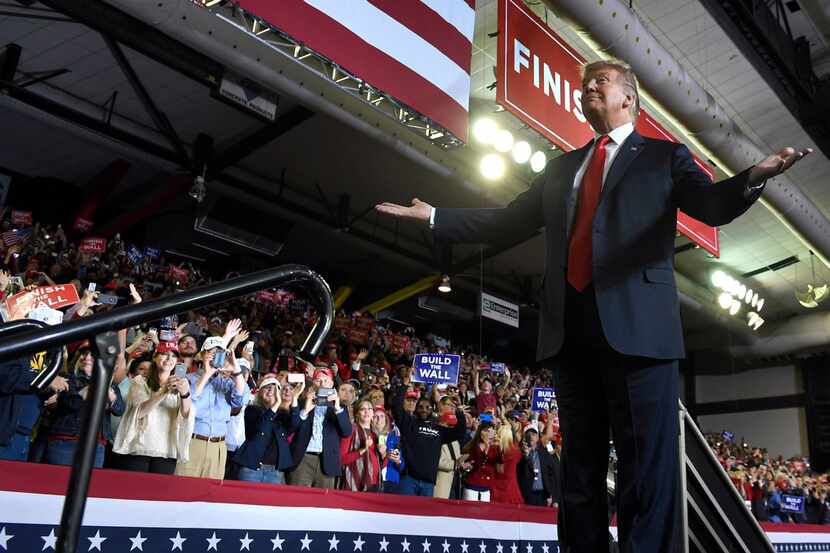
[383,544]
[426,545]
[306,541]
[96,541]
[446,546]
[137,542]
[404,544]
[213,542]
[529,548]
[545,548]
[177,542]
[358,543]
[277,542]
[482,547]
[49,541]
[464,546]
[333,542]
[246,543]
[4,538]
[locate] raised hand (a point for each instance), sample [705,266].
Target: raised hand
[418,210]
[134,294]
[776,164]
[232,329]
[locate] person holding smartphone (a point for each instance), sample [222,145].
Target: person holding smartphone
[155,432]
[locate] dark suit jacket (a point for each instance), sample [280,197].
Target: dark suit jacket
[262,428]
[550,475]
[335,426]
[633,239]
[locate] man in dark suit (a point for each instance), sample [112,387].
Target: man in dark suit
[609,317]
[538,471]
[316,444]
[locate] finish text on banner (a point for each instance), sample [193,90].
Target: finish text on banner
[54,297]
[499,310]
[542,399]
[436,368]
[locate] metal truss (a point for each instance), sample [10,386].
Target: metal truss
[334,73]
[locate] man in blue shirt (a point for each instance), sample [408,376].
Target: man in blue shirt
[215,392]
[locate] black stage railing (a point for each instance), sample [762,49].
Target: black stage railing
[103,327]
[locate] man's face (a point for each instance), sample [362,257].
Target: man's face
[409,404]
[187,346]
[423,410]
[605,97]
[332,354]
[532,438]
[323,381]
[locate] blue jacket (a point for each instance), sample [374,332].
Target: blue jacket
[263,427]
[393,471]
[633,239]
[335,427]
[15,377]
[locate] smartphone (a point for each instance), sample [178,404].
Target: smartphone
[107,299]
[218,359]
[249,347]
[296,378]
[382,440]
[180,370]
[91,286]
[167,335]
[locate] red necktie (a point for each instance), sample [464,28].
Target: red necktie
[580,250]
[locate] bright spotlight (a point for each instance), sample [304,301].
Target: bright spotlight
[503,141]
[538,162]
[444,287]
[759,305]
[521,151]
[492,166]
[735,307]
[484,130]
[741,292]
[725,300]
[718,279]
[748,296]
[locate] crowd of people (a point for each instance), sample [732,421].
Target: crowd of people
[224,393]
[776,489]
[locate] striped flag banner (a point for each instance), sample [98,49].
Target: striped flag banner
[417,51]
[15,236]
[154,513]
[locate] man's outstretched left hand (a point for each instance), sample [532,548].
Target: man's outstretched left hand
[776,164]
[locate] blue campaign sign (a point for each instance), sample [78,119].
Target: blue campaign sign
[135,255]
[497,367]
[792,503]
[152,252]
[542,399]
[728,436]
[436,368]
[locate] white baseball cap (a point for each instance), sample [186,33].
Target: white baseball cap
[213,342]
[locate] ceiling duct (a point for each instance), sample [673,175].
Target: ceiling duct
[226,220]
[616,30]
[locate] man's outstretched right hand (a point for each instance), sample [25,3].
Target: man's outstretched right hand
[418,210]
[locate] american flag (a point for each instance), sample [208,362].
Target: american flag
[15,236]
[151,513]
[417,51]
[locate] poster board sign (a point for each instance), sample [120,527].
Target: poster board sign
[497,367]
[499,310]
[792,503]
[542,399]
[82,225]
[93,245]
[436,368]
[54,297]
[21,217]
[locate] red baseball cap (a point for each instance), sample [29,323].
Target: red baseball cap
[322,371]
[412,394]
[449,419]
[165,347]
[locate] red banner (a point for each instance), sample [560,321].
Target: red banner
[179,274]
[265,296]
[342,324]
[539,81]
[357,336]
[54,297]
[93,245]
[21,217]
[82,225]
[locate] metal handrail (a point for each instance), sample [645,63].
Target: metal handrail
[103,328]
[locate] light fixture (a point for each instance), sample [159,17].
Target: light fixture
[814,293]
[492,166]
[749,295]
[759,305]
[445,287]
[198,191]
[725,300]
[718,279]
[521,152]
[503,141]
[538,162]
[735,307]
[484,130]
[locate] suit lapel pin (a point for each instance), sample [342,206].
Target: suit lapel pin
[634,148]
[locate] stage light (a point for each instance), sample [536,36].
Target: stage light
[492,166]
[484,130]
[503,141]
[725,300]
[754,300]
[521,152]
[748,296]
[538,162]
[445,287]
[759,305]
[718,279]
[735,307]
[198,191]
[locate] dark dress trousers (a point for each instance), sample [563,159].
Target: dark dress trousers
[335,426]
[613,346]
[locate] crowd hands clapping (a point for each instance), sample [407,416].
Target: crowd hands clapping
[768,483]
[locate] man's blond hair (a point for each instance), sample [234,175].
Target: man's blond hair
[628,77]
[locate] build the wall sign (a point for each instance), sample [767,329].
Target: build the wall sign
[436,368]
[499,310]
